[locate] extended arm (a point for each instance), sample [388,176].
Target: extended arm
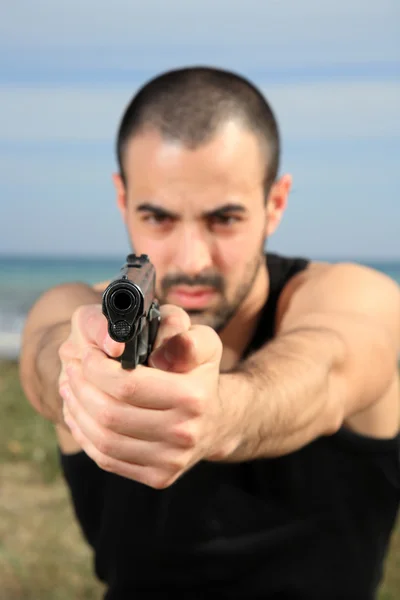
[47,327]
[333,362]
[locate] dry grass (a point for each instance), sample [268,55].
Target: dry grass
[42,553]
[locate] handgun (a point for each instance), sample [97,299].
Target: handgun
[132,311]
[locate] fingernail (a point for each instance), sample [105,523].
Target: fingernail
[169,356]
[110,349]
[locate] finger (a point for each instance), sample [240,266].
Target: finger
[105,441]
[146,474]
[93,326]
[186,351]
[107,463]
[173,320]
[143,387]
[120,417]
[113,445]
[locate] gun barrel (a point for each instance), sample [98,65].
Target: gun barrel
[129,297]
[122,300]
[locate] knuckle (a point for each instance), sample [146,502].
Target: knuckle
[184,437]
[105,462]
[174,465]
[160,480]
[103,443]
[125,389]
[107,417]
[335,419]
[194,402]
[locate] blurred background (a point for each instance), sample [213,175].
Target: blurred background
[67,70]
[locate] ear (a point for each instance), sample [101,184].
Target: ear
[277,202]
[120,193]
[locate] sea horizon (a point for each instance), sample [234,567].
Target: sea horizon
[96,257]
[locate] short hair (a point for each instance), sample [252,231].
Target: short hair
[191,104]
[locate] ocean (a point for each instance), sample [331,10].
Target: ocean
[24,279]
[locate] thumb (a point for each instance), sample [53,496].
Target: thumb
[186,351]
[175,354]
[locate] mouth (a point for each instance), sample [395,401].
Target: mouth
[191,297]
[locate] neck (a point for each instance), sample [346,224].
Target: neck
[240,330]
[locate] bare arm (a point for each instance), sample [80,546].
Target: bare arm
[47,326]
[333,362]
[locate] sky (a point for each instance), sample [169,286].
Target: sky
[329,69]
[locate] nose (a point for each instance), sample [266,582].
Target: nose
[193,252]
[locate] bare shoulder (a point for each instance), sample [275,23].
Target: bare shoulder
[345,287]
[361,305]
[297,283]
[352,275]
[58,303]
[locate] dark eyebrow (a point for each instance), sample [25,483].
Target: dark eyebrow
[224,209]
[216,212]
[156,210]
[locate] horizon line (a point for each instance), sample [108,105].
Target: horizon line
[112,257]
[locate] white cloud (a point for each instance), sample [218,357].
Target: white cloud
[316,111]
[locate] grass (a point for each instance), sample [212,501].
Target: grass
[42,553]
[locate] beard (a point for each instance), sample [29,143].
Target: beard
[219,315]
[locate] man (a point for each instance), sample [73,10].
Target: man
[257,455]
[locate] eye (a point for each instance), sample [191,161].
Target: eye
[224,220]
[156,219]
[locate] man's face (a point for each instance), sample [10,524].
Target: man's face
[201,217]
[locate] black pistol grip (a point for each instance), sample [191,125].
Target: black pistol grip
[138,350]
[129,358]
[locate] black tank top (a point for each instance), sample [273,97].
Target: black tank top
[311,525]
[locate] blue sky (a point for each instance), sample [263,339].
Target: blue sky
[330,70]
